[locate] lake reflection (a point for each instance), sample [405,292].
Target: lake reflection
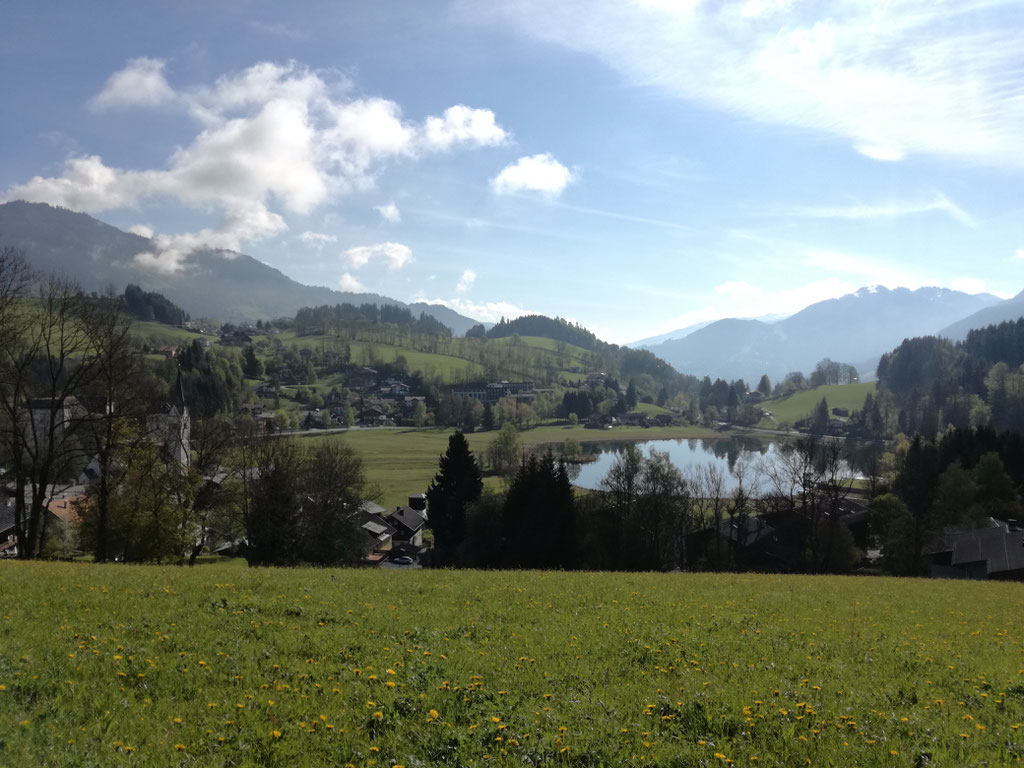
[688,455]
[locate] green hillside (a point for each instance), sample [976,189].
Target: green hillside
[451,360]
[222,665]
[798,405]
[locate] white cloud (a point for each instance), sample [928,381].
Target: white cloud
[142,230]
[389,212]
[349,283]
[466,281]
[393,255]
[140,84]
[463,125]
[536,173]
[887,210]
[892,79]
[271,139]
[1019,254]
[487,311]
[318,239]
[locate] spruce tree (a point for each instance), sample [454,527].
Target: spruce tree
[457,483]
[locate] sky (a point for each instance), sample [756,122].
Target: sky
[634,166]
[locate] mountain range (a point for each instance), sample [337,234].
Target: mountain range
[856,329]
[225,285]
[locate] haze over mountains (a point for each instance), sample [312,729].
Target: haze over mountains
[856,329]
[220,284]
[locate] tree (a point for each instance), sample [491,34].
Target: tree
[46,360]
[764,386]
[538,516]
[457,483]
[820,418]
[504,452]
[251,365]
[419,414]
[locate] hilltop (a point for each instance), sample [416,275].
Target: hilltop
[225,285]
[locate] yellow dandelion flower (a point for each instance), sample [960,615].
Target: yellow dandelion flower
[180,747]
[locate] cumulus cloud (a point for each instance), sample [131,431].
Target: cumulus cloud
[347,282]
[389,212]
[141,83]
[968,284]
[142,230]
[463,125]
[535,173]
[892,79]
[272,139]
[466,281]
[392,255]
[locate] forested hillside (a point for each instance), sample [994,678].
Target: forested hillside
[930,382]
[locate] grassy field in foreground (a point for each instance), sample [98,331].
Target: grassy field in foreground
[801,404]
[404,461]
[226,666]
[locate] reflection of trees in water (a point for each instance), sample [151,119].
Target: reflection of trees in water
[573,470]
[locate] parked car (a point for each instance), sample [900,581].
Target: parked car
[403,560]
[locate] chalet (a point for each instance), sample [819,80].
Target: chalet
[596,379]
[409,524]
[995,550]
[363,379]
[251,409]
[843,412]
[374,416]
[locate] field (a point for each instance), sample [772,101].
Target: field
[404,461]
[226,666]
[801,404]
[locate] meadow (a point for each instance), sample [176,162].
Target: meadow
[799,405]
[227,666]
[404,461]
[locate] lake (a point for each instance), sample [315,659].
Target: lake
[689,455]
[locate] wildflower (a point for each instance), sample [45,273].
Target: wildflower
[378,715]
[276,734]
[180,747]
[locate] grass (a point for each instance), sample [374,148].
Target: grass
[161,335]
[457,362]
[798,405]
[404,461]
[227,666]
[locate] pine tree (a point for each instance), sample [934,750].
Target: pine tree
[457,483]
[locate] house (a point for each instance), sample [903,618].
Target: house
[362,379]
[373,416]
[994,550]
[377,531]
[408,524]
[844,412]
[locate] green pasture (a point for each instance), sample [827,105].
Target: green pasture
[799,405]
[161,335]
[404,461]
[228,666]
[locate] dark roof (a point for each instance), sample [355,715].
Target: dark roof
[408,518]
[1001,548]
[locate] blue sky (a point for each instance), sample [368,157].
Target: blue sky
[633,166]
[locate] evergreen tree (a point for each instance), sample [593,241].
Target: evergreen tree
[457,483]
[764,386]
[538,516]
[488,420]
[251,365]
